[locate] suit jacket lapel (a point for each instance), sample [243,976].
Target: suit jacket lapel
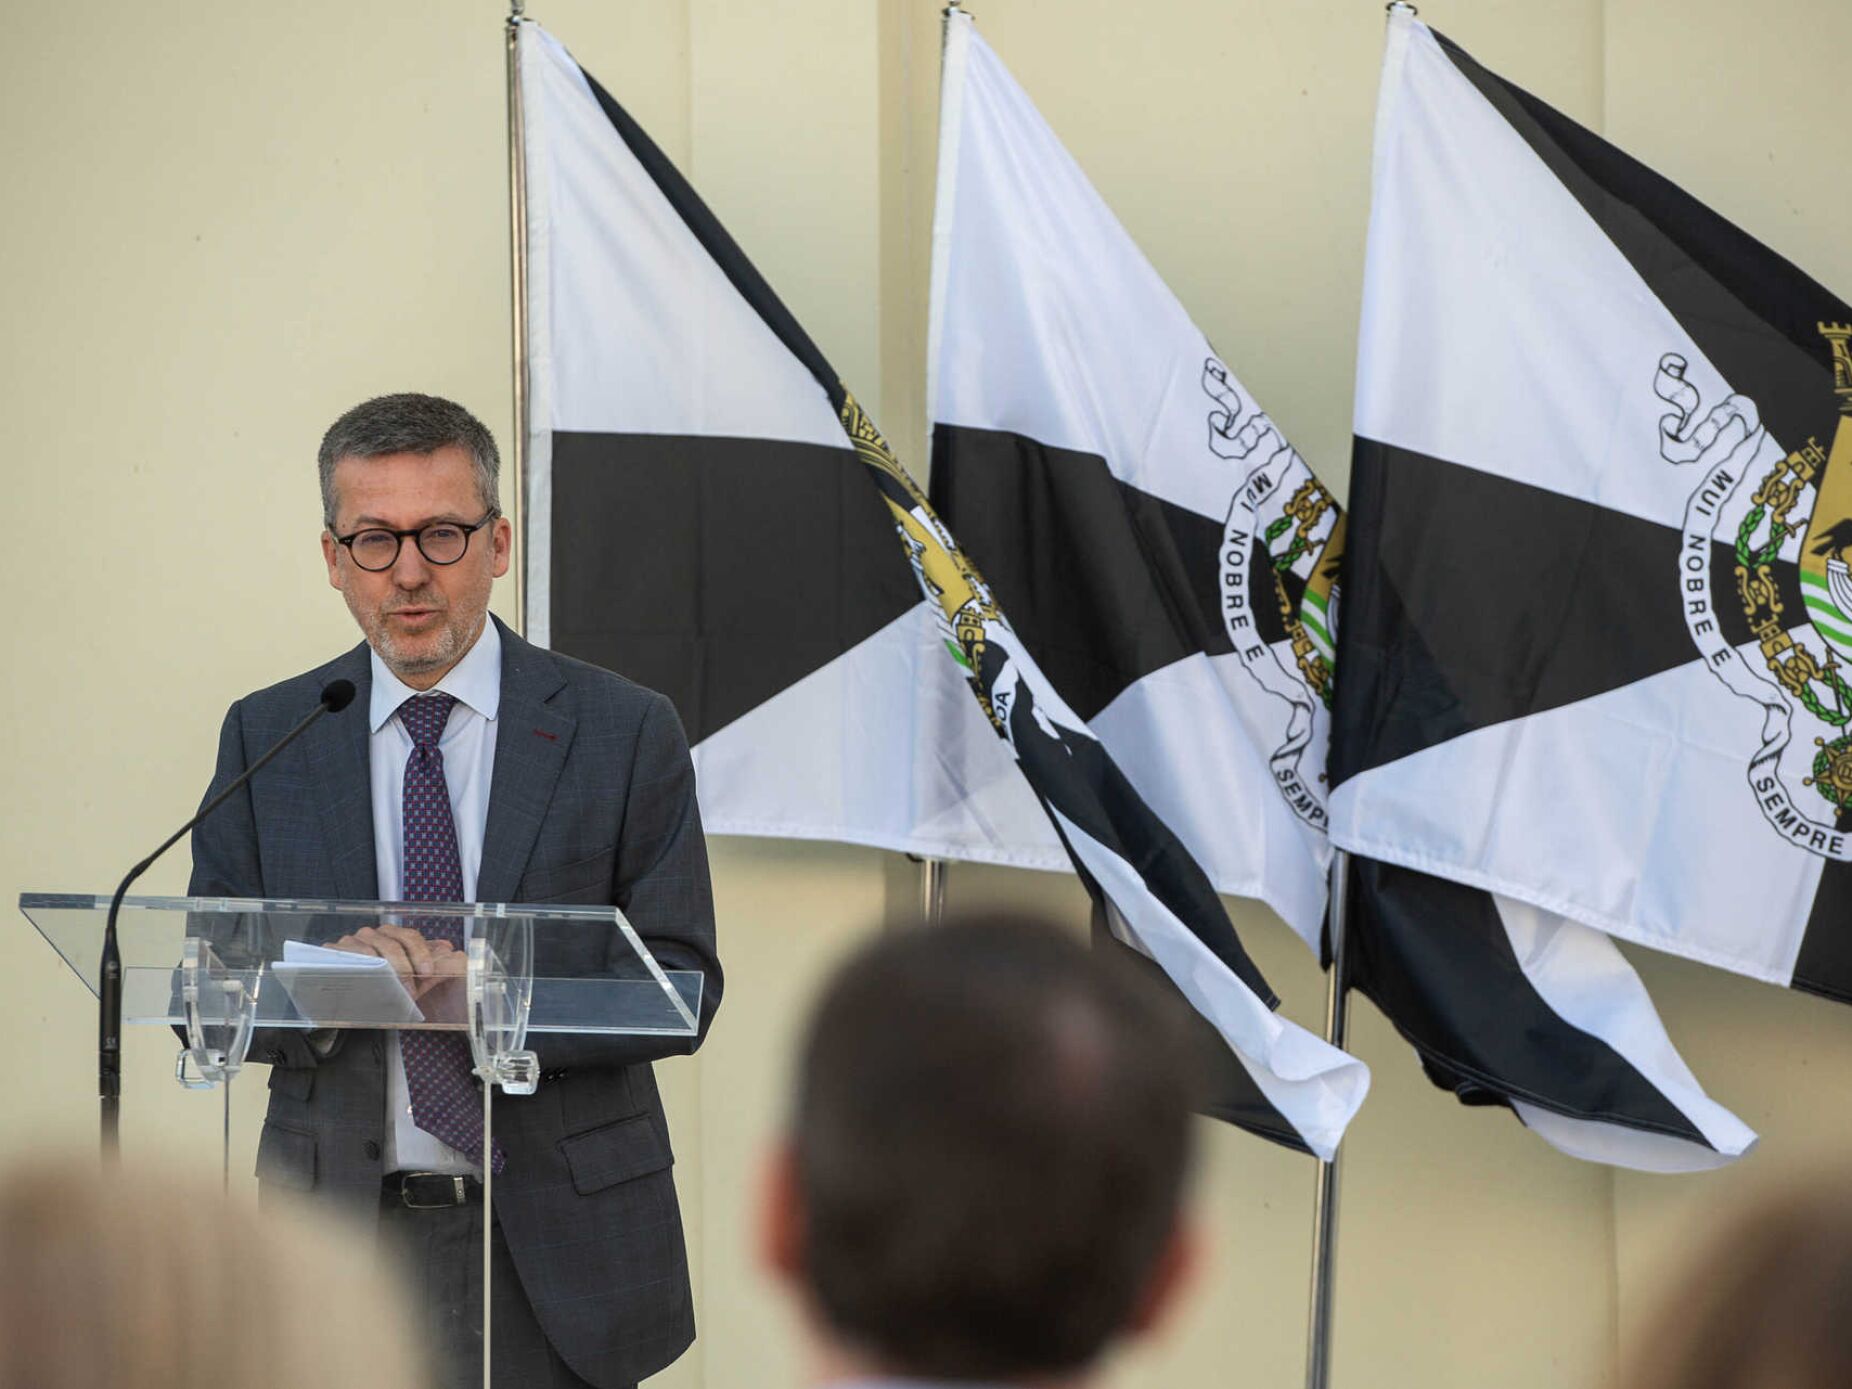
[337,751]
[531,741]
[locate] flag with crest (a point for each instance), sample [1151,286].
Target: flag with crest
[1594,649]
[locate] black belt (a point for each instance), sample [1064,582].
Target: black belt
[423,1191]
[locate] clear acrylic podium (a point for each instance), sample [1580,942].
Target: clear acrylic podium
[227,972]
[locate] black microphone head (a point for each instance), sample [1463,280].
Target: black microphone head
[337,695]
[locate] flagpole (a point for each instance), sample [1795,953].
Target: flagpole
[517,506]
[932,890]
[1337,1026]
[517,238]
[1325,1207]
[932,870]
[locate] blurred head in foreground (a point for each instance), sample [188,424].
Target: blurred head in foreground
[1767,1305]
[984,1170]
[134,1280]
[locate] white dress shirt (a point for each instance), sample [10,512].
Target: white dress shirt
[468,747]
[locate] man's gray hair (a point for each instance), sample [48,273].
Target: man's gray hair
[408,423]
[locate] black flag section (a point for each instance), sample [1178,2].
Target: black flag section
[665,569]
[1473,599]
[1105,582]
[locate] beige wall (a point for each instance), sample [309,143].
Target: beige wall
[225,224]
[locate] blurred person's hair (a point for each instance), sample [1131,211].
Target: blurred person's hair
[1767,1304]
[138,1280]
[990,1140]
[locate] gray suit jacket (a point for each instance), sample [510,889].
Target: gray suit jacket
[592,801]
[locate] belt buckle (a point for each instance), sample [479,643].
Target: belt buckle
[460,1192]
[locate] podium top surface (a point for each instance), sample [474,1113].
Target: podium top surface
[327,963]
[32,902]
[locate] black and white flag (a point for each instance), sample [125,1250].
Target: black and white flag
[653,266]
[1591,654]
[698,521]
[1595,651]
[1168,556]
[1175,567]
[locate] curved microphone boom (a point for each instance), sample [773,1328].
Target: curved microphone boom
[336,695]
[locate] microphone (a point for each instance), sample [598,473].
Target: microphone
[336,695]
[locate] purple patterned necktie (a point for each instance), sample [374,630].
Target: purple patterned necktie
[445,1101]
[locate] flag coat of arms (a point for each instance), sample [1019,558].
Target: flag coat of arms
[623,240]
[1597,630]
[1175,566]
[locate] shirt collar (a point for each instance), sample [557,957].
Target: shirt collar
[476,680]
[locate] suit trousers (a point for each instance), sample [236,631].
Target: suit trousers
[439,1256]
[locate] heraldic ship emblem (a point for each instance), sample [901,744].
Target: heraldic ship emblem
[1776,512]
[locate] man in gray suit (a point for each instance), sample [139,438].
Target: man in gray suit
[983,1174]
[476,767]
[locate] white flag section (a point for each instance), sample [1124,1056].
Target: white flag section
[1075,407]
[623,246]
[690,524]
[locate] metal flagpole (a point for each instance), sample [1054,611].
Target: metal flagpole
[1325,1210]
[488,1209]
[932,870]
[1337,1020]
[932,890]
[517,245]
[517,236]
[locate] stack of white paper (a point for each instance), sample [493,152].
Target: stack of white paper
[340,987]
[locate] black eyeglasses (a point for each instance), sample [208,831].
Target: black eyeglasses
[441,542]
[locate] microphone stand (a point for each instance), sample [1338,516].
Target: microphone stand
[335,697]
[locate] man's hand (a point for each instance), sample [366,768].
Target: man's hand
[432,970]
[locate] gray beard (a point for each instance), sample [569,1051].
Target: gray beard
[448,652]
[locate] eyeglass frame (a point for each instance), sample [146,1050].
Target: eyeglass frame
[417,537]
